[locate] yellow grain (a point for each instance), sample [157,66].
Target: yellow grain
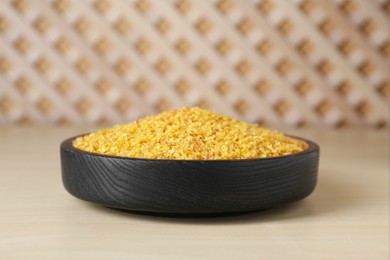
[189,134]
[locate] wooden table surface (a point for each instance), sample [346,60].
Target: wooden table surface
[347,216]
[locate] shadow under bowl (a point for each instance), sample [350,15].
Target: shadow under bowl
[189,187]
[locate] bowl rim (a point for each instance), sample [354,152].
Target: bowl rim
[67,145]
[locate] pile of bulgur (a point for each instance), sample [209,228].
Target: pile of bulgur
[189,134]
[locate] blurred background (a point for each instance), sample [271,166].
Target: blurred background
[298,63]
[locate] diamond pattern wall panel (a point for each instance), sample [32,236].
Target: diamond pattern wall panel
[275,62]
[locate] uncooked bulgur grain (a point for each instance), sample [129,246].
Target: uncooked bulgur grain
[189,134]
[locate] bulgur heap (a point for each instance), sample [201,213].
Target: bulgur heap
[189,134]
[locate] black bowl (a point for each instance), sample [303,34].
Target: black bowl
[192,187]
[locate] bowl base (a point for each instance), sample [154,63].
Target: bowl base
[187,215]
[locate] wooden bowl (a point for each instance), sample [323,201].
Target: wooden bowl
[194,187]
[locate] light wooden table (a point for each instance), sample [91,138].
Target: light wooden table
[347,217]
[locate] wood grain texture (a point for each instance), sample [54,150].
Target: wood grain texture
[189,186]
[346,217]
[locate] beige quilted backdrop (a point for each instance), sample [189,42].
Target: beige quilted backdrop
[276,62]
